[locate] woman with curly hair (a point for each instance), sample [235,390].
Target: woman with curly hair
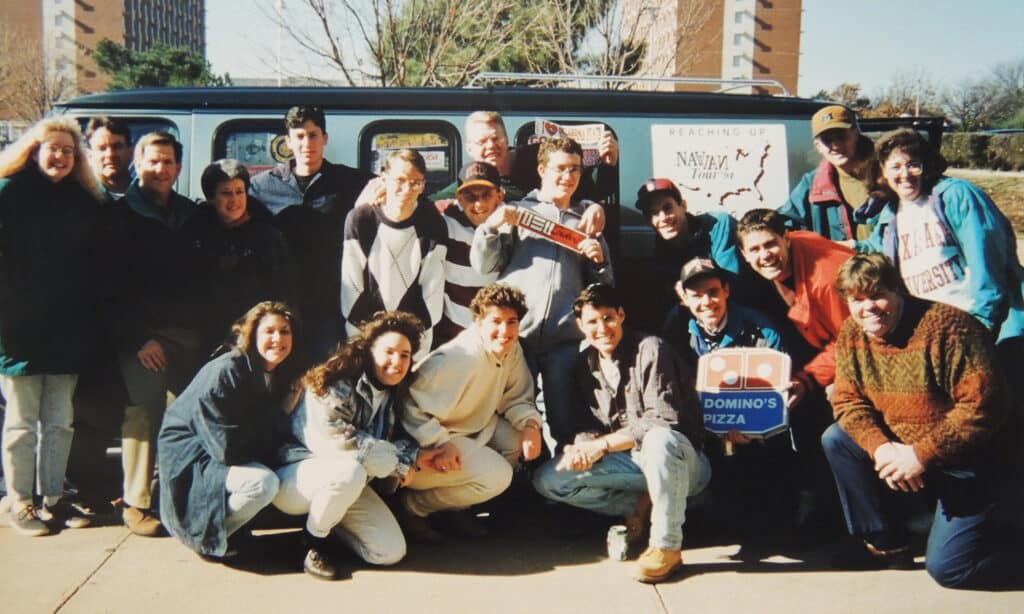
[49,242]
[219,440]
[347,422]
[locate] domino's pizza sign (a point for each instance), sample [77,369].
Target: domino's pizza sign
[743,389]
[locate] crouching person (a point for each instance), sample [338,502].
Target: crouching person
[637,452]
[219,440]
[346,423]
[920,408]
[472,399]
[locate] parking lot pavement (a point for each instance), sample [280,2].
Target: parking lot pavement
[518,568]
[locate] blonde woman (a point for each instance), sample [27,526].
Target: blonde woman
[49,225]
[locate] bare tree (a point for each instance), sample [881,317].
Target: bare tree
[447,42]
[908,93]
[973,104]
[849,94]
[399,42]
[27,90]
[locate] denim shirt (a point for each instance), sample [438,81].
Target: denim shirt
[344,421]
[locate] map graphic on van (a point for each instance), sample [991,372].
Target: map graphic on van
[723,167]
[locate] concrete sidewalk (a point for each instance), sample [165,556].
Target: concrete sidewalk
[518,569]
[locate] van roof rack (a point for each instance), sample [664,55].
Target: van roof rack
[726,85]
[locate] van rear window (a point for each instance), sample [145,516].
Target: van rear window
[259,144]
[436,141]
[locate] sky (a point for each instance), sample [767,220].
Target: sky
[868,42]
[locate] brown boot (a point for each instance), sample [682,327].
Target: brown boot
[655,564]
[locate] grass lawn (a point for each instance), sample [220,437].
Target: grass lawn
[1005,188]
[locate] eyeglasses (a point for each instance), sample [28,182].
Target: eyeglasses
[912,168]
[67,151]
[490,140]
[401,183]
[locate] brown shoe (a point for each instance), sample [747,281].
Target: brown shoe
[141,522]
[655,564]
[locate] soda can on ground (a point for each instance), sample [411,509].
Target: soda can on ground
[617,544]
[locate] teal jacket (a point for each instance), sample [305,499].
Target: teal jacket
[989,248]
[817,204]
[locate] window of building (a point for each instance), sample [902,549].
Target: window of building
[437,141]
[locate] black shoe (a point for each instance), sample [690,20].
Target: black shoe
[319,565]
[463,523]
[865,557]
[68,514]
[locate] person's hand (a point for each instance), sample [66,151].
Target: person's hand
[374,193]
[797,391]
[152,356]
[592,250]
[593,220]
[443,204]
[738,438]
[425,459]
[449,458]
[898,466]
[680,291]
[608,149]
[504,214]
[408,477]
[530,441]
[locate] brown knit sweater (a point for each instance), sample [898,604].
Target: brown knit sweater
[932,383]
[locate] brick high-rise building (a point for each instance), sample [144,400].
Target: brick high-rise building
[66,32]
[720,39]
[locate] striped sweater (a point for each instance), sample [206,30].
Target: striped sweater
[932,383]
[461,281]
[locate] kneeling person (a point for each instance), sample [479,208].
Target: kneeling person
[919,405]
[638,450]
[472,398]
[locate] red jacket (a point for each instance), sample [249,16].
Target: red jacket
[817,310]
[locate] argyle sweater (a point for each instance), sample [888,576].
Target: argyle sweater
[390,265]
[932,382]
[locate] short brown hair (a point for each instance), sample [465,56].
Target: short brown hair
[868,274]
[757,220]
[408,155]
[498,295]
[912,143]
[564,145]
[159,138]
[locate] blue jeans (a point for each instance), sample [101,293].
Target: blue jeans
[37,435]
[961,552]
[665,465]
[561,398]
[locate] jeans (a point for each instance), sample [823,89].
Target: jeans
[251,487]
[36,435]
[333,491]
[486,472]
[665,465]
[561,400]
[961,552]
